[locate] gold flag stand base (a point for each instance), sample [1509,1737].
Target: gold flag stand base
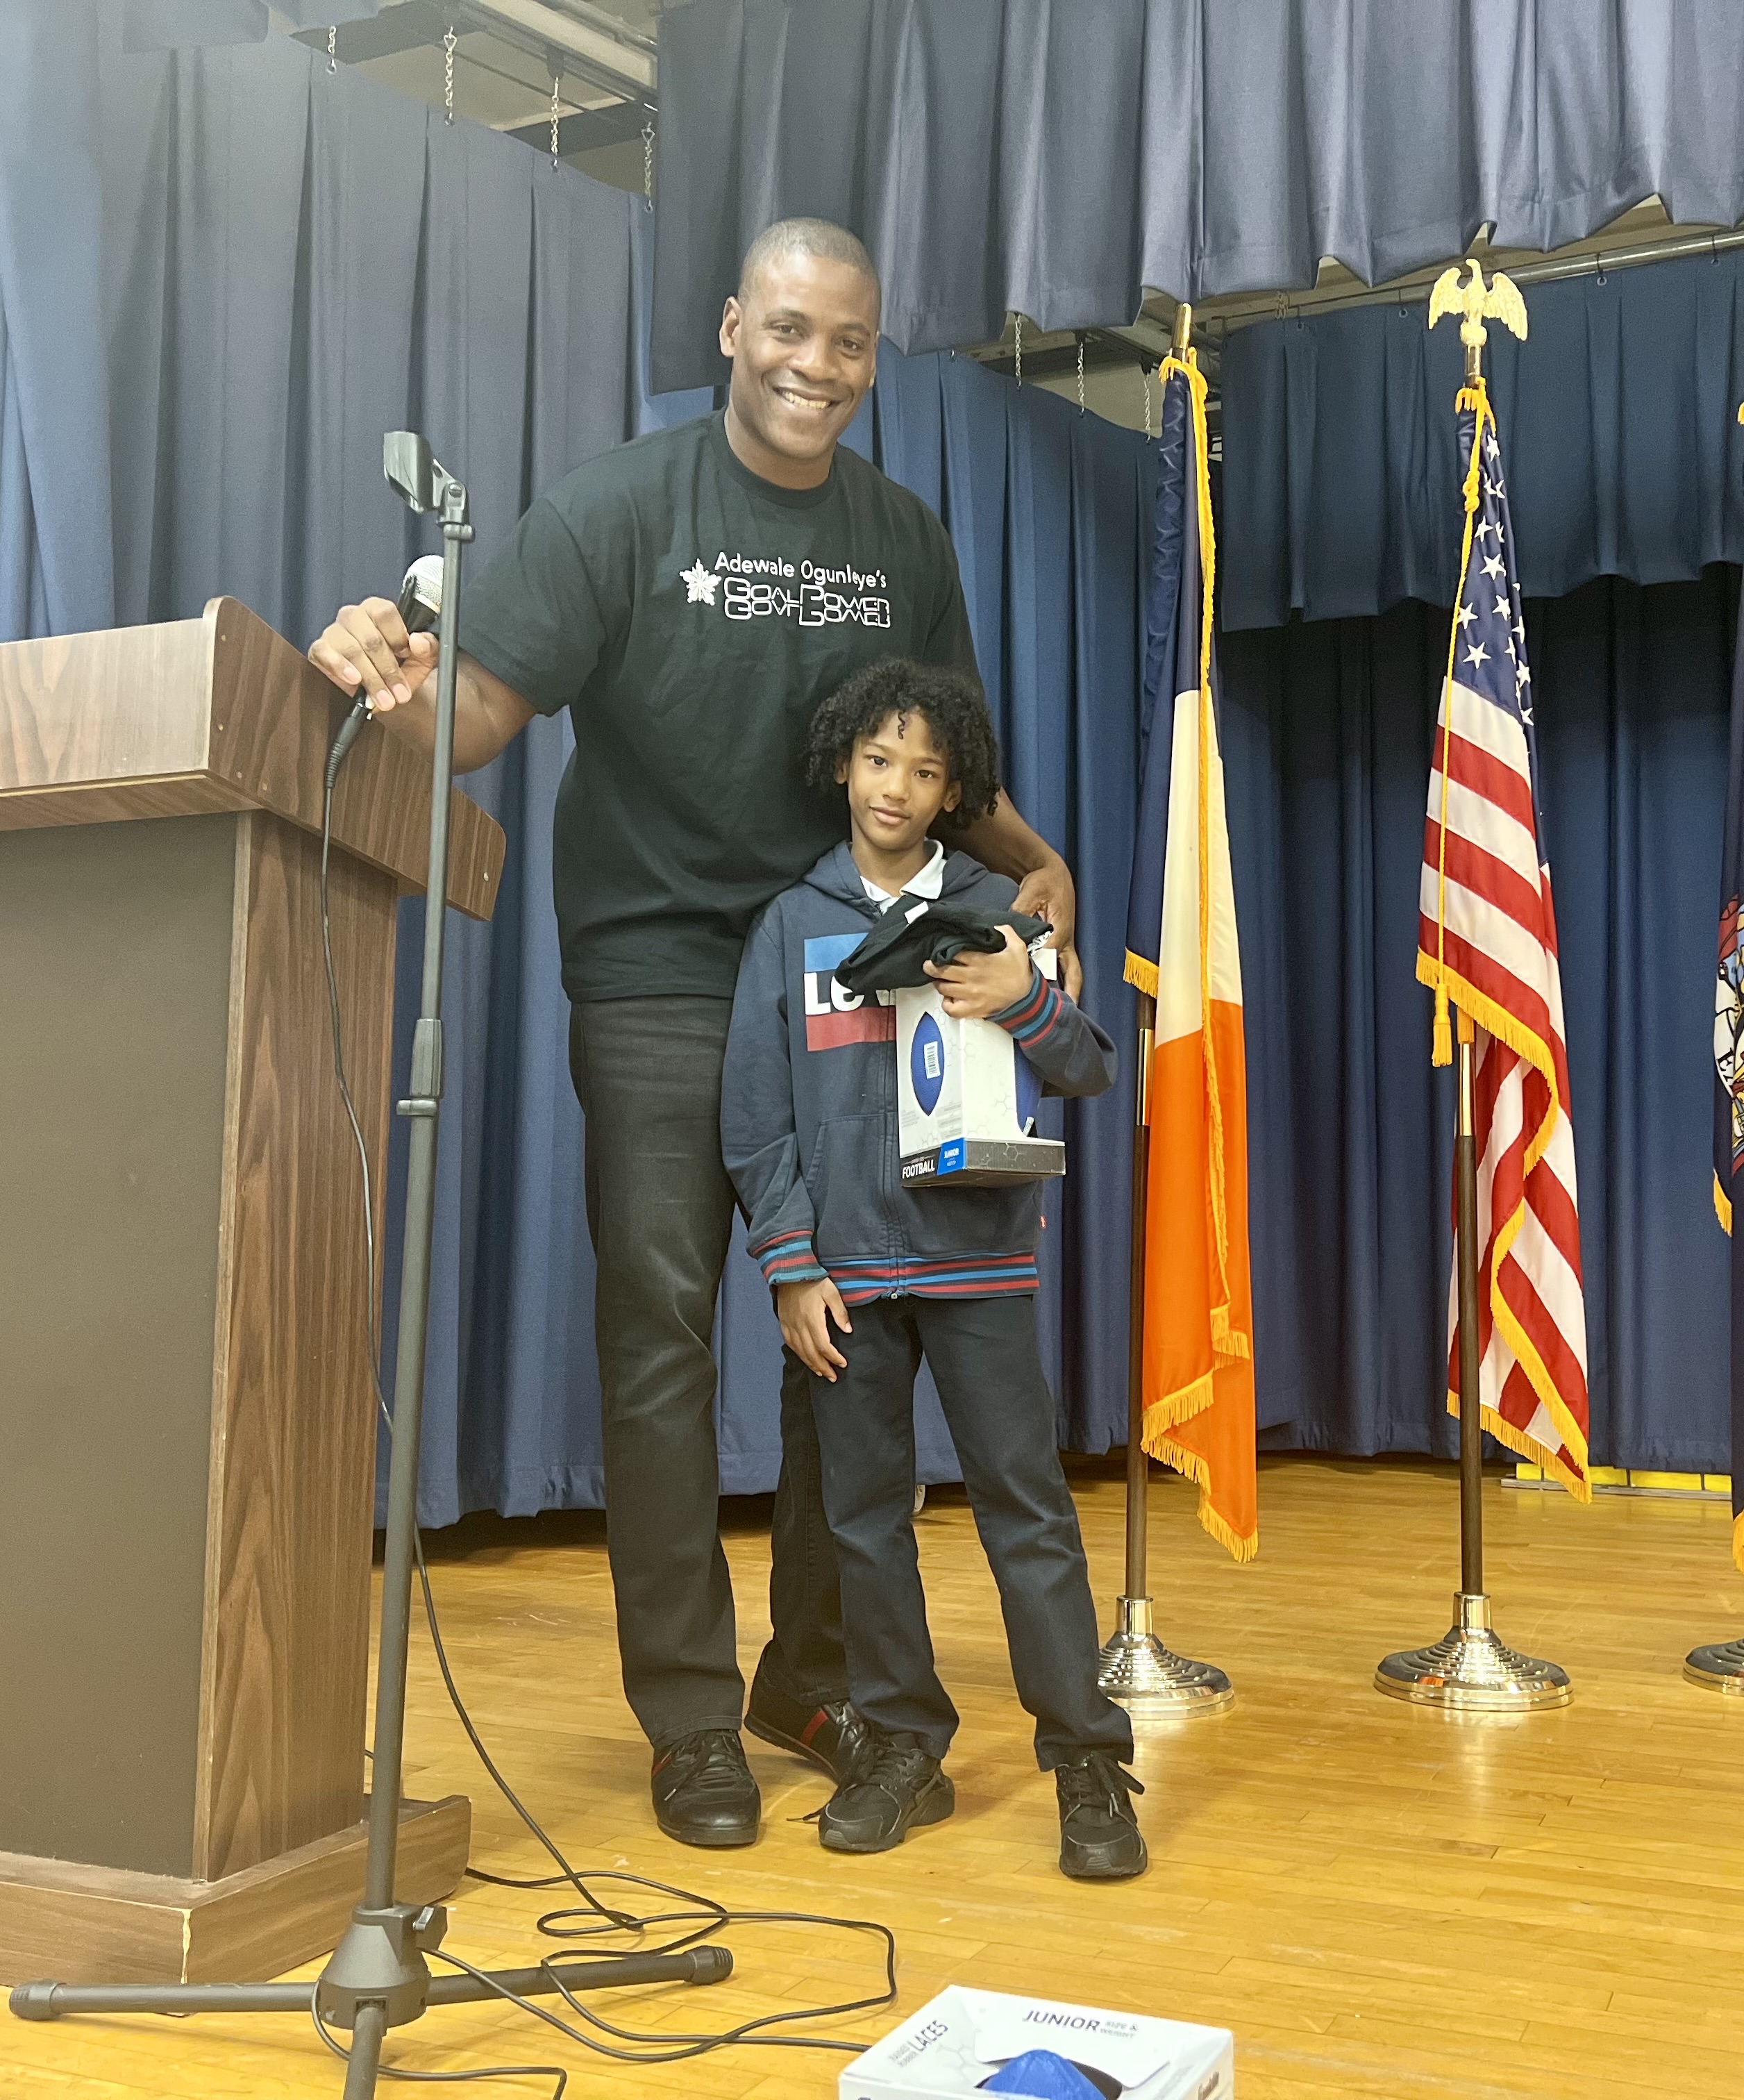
[1720,1668]
[1136,1670]
[1470,1671]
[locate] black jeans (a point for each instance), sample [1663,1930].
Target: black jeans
[647,1073]
[987,1368]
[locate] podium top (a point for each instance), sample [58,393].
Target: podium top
[217,714]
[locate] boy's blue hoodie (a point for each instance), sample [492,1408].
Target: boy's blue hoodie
[809,1107]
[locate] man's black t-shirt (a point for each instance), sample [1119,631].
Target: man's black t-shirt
[691,616]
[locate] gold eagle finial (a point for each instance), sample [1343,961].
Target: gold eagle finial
[1474,301]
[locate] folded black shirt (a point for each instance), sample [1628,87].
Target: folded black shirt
[891,955]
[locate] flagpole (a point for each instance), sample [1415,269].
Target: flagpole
[1470,1670]
[1718,1665]
[1136,1668]
[1471,1421]
[1138,1459]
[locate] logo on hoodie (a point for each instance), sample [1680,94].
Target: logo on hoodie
[834,1018]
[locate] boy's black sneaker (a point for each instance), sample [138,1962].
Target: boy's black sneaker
[832,1736]
[703,1791]
[897,1787]
[1100,1838]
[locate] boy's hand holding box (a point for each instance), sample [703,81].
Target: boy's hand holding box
[966,1096]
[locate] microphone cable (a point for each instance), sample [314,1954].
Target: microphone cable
[699,1917]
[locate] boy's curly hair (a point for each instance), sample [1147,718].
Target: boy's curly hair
[950,702]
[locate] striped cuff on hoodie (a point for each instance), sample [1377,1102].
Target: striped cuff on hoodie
[1032,1018]
[789,1259]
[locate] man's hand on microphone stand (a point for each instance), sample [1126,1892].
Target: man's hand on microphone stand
[368,650]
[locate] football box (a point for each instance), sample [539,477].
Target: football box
[951,2047]
[967,1097]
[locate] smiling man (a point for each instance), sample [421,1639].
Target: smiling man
[689,599]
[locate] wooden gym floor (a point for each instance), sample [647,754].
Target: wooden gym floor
[1376,1901]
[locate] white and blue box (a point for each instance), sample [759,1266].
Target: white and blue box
[950,2048]
[967,1097]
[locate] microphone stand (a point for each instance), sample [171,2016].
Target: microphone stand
[378,1977]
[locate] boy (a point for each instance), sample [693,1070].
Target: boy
[869,1277]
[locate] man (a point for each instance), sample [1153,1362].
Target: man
[690,598]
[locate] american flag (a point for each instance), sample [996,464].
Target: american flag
[1486,940]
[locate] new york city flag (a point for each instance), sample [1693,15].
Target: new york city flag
[1181,948]
[1728,1075]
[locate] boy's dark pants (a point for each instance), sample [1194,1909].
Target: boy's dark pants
[647,1073]
[987,1368]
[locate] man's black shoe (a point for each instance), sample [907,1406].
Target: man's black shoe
[703,1792]
[1100,1838]
[897,1787]
[833,1736]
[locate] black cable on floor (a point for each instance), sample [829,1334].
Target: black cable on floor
[493,2071]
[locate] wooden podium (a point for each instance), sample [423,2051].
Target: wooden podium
[187,1430]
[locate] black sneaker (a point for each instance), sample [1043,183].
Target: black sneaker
[897,1787]
[703,1792]
[1100,1838]
[832,1736]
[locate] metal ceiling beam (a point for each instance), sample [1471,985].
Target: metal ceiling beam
[608,24]
[584,129]
[1551,270]
[407,28]
[530,25]
[1052,358]
[620,70]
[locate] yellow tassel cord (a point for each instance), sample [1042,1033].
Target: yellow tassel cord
[1738,1522]
[1188,367]
[1722,1206]
[1227,1341]
[1474,1007]
[1436,974]
[1207,565]
[1505,1028]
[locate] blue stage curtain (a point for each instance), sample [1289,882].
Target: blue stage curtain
[1624,457]
[1056,157]
[223,274]
[1327,738]
[1049,511]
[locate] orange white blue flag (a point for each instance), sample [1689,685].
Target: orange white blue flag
[1181,949]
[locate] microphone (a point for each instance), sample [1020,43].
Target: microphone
[421,608]
[420,594]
